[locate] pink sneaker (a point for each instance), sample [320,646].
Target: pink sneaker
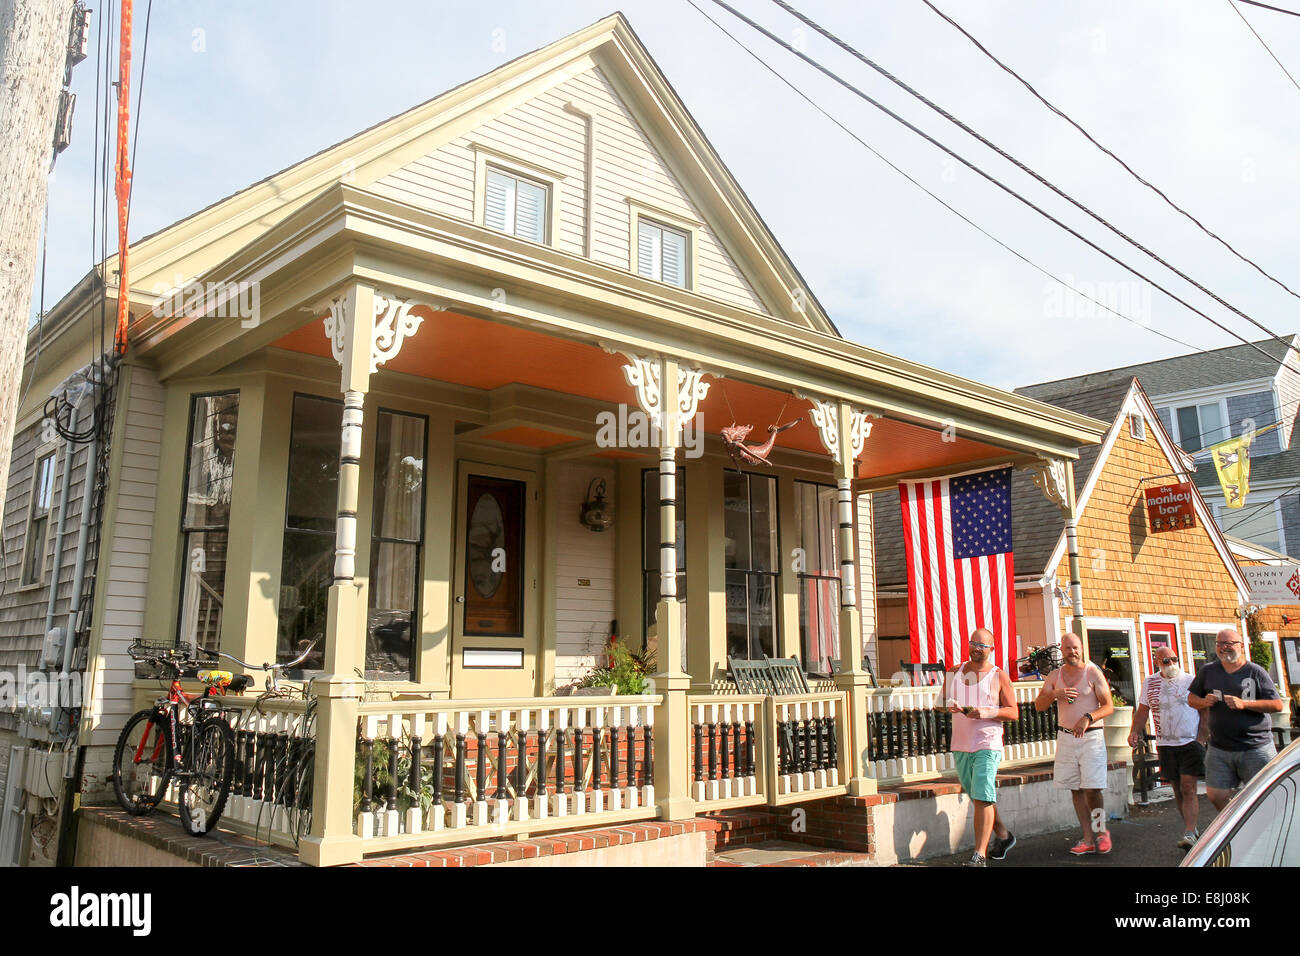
[1103,841]
[1082,849]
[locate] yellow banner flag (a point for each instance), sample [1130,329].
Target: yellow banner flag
[1232,462]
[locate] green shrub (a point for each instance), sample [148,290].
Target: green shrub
[627,674]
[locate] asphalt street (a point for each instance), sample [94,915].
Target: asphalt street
[1146,837]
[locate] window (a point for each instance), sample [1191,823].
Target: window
[1109,650]
[1199,426]
[817,565]
[1259,524]
[752,549]
[311,509]
[650,542]
[661,253]
[38,520]
[1202,649]
[1137,426]
[515,205]
[1268,836]
[396,540]
[205,517]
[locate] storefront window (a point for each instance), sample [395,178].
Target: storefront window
[1110,651]
[205,519]
[817,565]
[397,538]
[750,525]
[311,508]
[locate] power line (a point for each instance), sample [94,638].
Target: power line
[1001,152]
[1260,507]
[992,179]
[1256,3]
[932,195]
[139,98]
[1127,168]
[1263,44]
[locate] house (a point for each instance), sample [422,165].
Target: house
[1272,621]
[1208,397]
[1140,587]
[447,400]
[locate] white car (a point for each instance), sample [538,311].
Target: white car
[1261,825]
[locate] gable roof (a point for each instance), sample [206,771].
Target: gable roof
[200,242]
[1234,363]
[1037,525]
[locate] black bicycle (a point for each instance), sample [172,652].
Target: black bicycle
[196,747]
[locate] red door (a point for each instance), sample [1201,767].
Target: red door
[1159,635]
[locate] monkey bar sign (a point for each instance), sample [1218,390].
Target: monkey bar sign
[1169,507]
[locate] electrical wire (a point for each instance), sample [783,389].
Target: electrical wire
[990,178]
[139,98]
[1256,3]
[985,141]
[1264,45]
[1260,507]
[1127,168]
[974,225]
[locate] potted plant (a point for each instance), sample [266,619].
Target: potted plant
[624,672]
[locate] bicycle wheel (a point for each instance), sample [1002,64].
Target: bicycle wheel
[205,783]
[142,763]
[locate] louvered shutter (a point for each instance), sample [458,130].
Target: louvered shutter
[530,211]
[647,241]
[673,251]
[499,200]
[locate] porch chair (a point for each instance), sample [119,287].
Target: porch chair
[834,663]
[750,677]
[923,674]
[787,675]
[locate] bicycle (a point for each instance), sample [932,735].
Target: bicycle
[158,743]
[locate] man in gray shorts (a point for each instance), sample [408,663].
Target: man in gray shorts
[1239,695]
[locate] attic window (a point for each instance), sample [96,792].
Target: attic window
[662,253]
[1137,426]
[515,205]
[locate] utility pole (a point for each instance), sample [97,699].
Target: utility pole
[33,50]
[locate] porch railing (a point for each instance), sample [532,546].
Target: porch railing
[728,757]
[436,772]
[271,789]
[809,746]
[910,732]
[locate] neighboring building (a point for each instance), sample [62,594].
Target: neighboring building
[1275,621]
[1207,397]
[1139,586]
[461,314]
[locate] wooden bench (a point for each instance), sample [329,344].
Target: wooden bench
[775,677]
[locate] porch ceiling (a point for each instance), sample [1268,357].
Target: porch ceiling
[480,353]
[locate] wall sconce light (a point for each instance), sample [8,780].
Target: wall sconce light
[596,512]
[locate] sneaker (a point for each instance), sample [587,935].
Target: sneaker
[1188,840]
[998,851]
[1103,841]
[975,860]
[1082,849]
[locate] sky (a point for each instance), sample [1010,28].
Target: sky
[233,91]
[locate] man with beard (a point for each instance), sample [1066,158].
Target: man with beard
[1239,695]
[980,698]
[1082,696]
[1180,733]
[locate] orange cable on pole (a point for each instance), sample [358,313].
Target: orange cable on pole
[123,184]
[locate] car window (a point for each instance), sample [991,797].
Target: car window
[1269,823]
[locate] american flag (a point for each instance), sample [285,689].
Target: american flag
[960,567]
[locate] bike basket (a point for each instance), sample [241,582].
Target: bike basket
[150,655]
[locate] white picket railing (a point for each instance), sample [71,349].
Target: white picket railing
[492,768]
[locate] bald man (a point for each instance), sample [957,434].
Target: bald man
[1083,701]
[980,698]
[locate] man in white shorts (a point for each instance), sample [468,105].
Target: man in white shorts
[1082,696]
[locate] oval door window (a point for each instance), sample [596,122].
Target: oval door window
[487,539]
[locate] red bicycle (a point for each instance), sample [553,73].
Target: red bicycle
[182,736]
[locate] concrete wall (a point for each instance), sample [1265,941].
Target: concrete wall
[685,849]
[922,829]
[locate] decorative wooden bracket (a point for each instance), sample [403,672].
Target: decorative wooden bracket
[642,374]
[825,415]
[1049,477]
[393,324]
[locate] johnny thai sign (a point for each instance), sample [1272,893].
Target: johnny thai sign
[1273,583]
[1169,507]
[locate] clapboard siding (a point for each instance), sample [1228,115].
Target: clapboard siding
[867,579]
[626,166]
[582,614]
[126,548]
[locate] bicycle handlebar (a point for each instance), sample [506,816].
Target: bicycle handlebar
[270,668]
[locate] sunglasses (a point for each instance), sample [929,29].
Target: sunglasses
[1228,644]
[981,647]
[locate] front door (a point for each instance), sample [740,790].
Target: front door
[495,628]
[1159,634]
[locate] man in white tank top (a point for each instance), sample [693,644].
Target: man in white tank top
[1083,700]
[980,698]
